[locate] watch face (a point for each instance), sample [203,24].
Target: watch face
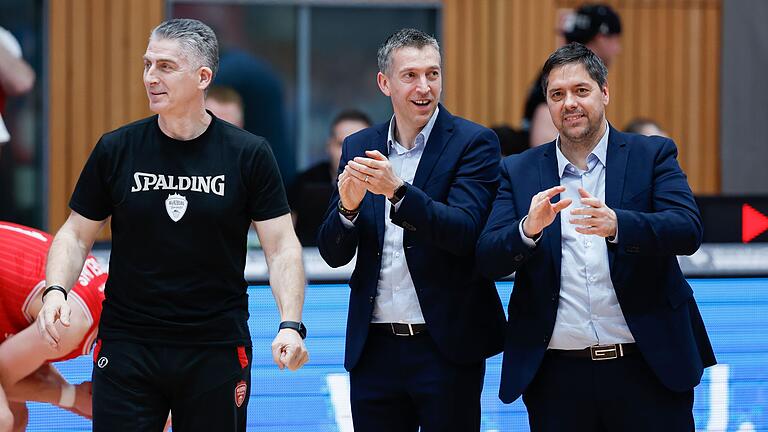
[400,192]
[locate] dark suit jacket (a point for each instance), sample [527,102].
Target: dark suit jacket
[442,215]
[657,220]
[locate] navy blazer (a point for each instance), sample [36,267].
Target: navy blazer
[657,220]
[442,215]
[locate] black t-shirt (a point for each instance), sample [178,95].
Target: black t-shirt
[180,216]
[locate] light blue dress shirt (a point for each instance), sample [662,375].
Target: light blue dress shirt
[396,299]
[588,312]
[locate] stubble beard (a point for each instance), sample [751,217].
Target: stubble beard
[585,139]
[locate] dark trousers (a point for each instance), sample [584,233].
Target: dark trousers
[403,382]
[135,386]
[623,395]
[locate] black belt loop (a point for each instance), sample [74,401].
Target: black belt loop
[400,329]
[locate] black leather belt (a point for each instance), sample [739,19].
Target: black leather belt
[400,329]
[599,352]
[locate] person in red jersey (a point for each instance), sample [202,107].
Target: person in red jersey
[26,372]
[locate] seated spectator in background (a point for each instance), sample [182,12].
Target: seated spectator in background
[599,28]
[512,141]
[644,126]
[309,194]
[225,103]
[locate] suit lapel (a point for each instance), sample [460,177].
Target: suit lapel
[438,138]
[617,156]
[549,179]
[616,167]
[378,200]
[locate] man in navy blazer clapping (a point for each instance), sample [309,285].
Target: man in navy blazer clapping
[413,196]
[604,333]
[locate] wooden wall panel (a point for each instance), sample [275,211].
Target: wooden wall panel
[668,69]
[95,82]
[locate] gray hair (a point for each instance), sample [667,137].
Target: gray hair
[404,38]
[198,42]
[571,53]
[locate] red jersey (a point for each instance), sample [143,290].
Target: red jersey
[23,253]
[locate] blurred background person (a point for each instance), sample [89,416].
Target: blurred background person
[16,78]
[598,27]
[645,126]
[225,103]
[511,140]
[310,192]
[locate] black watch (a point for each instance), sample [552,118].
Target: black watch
[294,325]
[399,193]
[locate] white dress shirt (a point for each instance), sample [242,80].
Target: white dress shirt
[396,299]
[588,312]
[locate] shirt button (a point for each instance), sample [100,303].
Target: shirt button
[592,278]
[397,288]
[588,243]
[397,254]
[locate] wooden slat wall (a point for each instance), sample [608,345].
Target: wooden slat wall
[669,69]
[95,82]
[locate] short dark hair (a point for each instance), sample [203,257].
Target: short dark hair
[575,52]
[350,115]
[590,20]
[407,37]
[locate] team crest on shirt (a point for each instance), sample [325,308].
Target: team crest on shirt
[240,392]
[176,206]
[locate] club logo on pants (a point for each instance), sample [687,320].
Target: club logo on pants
[240,392]
[176,206]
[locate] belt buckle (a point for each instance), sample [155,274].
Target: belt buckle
[394,332]
[606,352]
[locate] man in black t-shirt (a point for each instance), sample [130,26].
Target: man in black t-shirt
[182,188]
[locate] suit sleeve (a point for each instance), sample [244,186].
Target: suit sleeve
[455,225]
[337,243]
[500,249]
[673,226]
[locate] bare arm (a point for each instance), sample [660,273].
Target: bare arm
[286,277]
[66,257]
[46,385]
[70,248]
[16,76]
[286,271]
